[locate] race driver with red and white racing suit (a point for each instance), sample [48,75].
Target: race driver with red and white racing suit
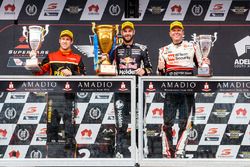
[178,59]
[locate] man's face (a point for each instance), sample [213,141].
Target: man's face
[65,42]
[176,34]
[127,34]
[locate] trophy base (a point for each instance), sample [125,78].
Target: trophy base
[32,65]
[204,72]
[109,70]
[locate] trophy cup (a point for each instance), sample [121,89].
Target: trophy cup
[104,39]
[34,36]
[204,42]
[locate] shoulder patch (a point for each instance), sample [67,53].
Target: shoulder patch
[142,47]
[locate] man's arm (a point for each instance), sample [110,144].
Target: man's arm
[81,68]
[146,61]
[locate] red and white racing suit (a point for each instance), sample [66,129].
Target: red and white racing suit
[180,60]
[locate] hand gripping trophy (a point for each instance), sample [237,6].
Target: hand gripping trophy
[204,43]
[34,36]
[105,39]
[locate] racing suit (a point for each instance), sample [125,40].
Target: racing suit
[61,105]
[127,58]
[179,61]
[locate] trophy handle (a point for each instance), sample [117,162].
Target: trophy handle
[93,27]
[46,30]
[25,32]
[117,29]
[215,38]
[194,37]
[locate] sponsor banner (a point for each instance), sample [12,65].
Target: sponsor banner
[94,10]
[202,112]
[16,97]
[101,97]
[40,135]
[36,152]
[246,138]
[233,134]
[142,9]
[80,112]
[87,133]
[240,114]
[16,151]
[176,10]
[10,9]
[218,10]
[52,10]
[227,151]
[32,113]
[212,134]
[155,114]
[6,132]
[196,86]
[228,97]
[109,117]
[71,86]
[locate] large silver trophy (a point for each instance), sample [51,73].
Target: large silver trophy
[34,36]
[204,42]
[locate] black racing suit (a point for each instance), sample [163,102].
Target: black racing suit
[61,105]
[179,61]
[128,58]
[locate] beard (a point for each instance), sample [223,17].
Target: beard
[129,40]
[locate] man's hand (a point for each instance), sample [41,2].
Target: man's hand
[140,71]
[161,63]
[205,60]
[66,72]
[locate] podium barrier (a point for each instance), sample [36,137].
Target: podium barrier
[221,130]
[30,104]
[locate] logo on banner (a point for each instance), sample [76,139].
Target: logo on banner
[3,133]
[157,112]
[31,10]
[176,9]
[51,10]
[73,9]
[82,95]
[11,87]
[114,9]
[23,134]
[156,9]
[150,87]
[93,9]
[240,10]
[14,154]
[212,135]
[95,113]
[193,134]
[221,113]
[86,133]
[36,154]
[234,134]
[241,112]
[197,10]
[206,87]
[123,87]
[67,87]
[242,47]
[9,8]
[10,113]
[119,104]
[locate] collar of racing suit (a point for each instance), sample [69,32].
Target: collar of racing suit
[65,53]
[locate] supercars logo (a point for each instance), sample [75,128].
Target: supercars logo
[200,110]
[218,7]
[212,131]
[226,152]
[86,133]
[31,110]
[52,6]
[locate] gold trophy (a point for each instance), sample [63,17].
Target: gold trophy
[34,36]
[105,35]
[205,43]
